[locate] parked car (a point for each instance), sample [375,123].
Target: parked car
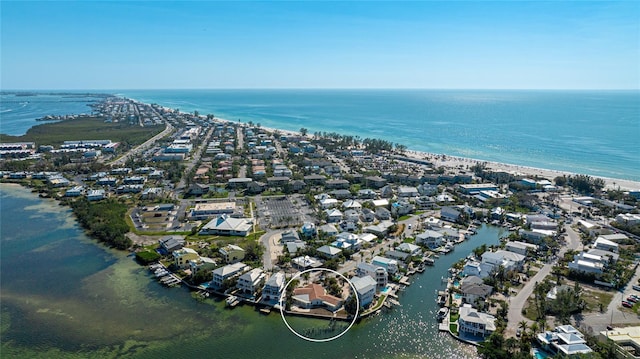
[626,304]
[636,287]
[631,299]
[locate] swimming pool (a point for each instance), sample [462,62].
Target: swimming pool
[540,354]
[386,290]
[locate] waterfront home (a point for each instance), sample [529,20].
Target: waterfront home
[412,249]
[95,194]
[273,287]
[391,265]
[182,256]
[232,253]
[565,340]
[251,281]
[401,257]
[75,191]
[201,264]
[475,323]
[365,288]
[521,247]
[433,223]
[376,272]
[171,243]
[227,226]
[429,238]
[475,268]
[329,252]
[227,272]
[315,296]
[473,288]
[305,262]
[506,259]
[449,214]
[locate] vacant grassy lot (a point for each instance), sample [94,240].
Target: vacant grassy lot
[86,128]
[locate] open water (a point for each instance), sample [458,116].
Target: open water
[590,132]
[64,296]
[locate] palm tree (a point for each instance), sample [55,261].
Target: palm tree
[523,325]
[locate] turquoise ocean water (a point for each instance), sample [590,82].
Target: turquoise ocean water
[591,132]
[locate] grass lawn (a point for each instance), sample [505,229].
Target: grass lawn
[594,298]
[453,328]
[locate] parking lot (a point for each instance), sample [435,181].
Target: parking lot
[279,212]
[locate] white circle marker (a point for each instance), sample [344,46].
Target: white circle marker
[284,291]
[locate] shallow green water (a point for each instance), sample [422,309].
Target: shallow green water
[63,296]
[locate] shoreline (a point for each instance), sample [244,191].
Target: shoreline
[449,161]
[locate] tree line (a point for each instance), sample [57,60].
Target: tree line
[104,221]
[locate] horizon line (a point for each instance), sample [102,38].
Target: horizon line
[320,88]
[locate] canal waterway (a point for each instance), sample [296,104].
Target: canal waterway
[63,295]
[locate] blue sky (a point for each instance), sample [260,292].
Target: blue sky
[419,44]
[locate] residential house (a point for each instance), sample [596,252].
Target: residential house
[171,243]
[314,296]
[402,208]
[273,287]
[227,272]
[305,262]
[181,257]
[449,214]
[588,263]
[391,265]
[333,215]
[251,281]
[95,194]
[508,260]
[329,252]
[477,269]
[521,247]
[412,249]
[605,245]
[328,229]
[201,264]
[472,288]
[365,288]
[565,340]
[376,272]
[474,323]
[431,239]
[289,236]
[232,253]
[407,192]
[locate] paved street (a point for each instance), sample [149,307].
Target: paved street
[517,302]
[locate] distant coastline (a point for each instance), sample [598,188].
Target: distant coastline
[615,159]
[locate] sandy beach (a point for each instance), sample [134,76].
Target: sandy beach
[448,161]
